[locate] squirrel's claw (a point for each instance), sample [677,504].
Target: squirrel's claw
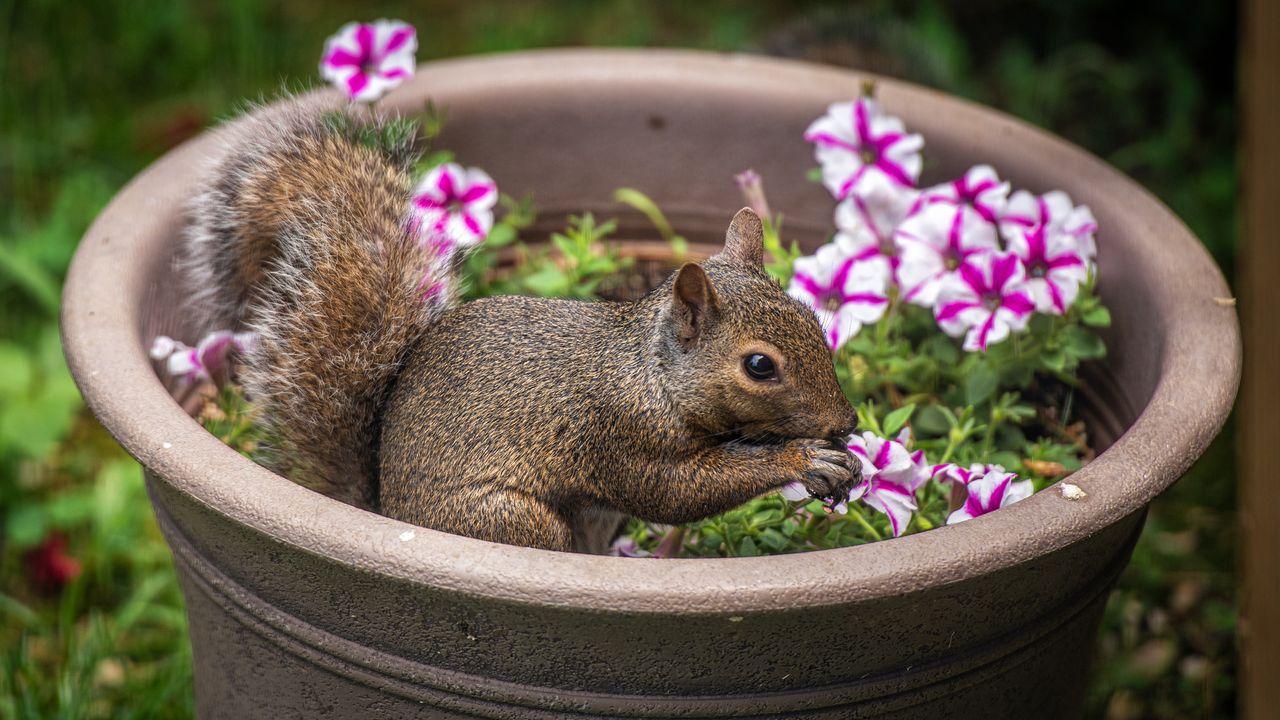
[830,474]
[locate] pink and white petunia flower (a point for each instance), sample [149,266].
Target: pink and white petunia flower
[1056,262]
[845,293]
[979,195]
[1056,213]
[1056,267]
[453,207]
[367,60]
[891,475]
[164,346]
[896,469]
[627,547]
[865,223]
[207,359]
[958,475]
[856,143]
[989,488]
[795,492]
[923,470]
[985,300]
[934,244]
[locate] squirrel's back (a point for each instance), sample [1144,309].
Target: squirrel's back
[299,233]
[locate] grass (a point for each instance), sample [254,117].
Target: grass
[93,92]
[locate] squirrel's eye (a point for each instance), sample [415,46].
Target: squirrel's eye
[760,367]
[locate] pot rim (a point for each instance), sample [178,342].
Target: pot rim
[1200,366]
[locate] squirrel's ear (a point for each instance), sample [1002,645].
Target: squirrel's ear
[745,240]
[694,302]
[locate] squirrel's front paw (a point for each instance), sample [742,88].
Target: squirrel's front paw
[830,473]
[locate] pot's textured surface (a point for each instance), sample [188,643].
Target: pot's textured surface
[303,607]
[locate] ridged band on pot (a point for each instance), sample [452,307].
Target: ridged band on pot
[300,603]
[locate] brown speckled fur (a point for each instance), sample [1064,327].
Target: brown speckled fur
[521,420]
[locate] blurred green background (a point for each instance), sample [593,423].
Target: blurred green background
[91,620]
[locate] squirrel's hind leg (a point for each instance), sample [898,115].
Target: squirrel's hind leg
[516,518]
[595,528]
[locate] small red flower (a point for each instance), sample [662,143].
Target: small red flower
[49,568]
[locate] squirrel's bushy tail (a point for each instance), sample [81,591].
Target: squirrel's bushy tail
[300,235]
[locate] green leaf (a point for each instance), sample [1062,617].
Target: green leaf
[747,547]
[32,426]
[931,421]
[15,370]
[25,525]
[501,235]
[782,266]
[548,281]
[431,160]
[432,120]
[1098,316]
[70,509]
[14,608]
[564,245]
[1054,359]
[1018,375]
[519,214]
[1003,459]
[766,516]
[980,384]
[710,539]
[773,539]
[650,209]
[895,420]
[1010,437]
[941,348]
[867,417]
[111,493]
[1082,343]
[38,283]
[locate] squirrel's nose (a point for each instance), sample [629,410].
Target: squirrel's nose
[844,427]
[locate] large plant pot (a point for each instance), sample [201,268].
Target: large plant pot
[302,606]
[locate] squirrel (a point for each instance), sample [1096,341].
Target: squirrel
[521,420]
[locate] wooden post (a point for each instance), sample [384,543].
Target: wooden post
[1259,419]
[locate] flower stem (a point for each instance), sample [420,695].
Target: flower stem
[952,444]
[811,523]
[857,515]
[988,437]
[671,545]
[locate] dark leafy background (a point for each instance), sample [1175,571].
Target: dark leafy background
[91,621]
